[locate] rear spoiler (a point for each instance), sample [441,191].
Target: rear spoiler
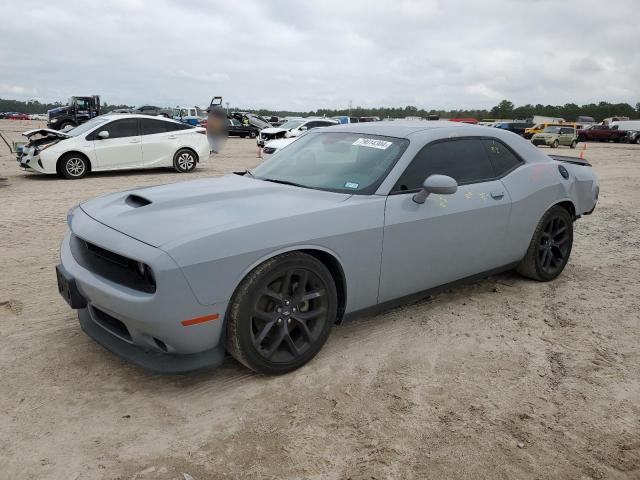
[574,160]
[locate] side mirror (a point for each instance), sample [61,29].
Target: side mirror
[103,135]
[438,184]
[302,129]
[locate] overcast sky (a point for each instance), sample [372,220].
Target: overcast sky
[306,55]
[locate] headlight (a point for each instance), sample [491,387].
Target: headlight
[54,120]
[287,134]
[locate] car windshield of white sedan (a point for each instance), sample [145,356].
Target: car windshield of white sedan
[85,127]
[338,162]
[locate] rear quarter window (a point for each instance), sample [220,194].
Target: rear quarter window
[501,157]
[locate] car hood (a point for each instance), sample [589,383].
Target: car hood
[46,132]
[281,142]
[180,212]
[272,130]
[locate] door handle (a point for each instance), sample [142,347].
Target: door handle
[134,140]
[497,195]
[172,137]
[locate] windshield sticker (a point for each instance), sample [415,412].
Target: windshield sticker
[351,185]
[372,143]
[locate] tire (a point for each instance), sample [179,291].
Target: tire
[185,161]
[243,136]
[73,166]
[550,247]
[271,336]
[573,144]
[638,140]
[252,134]
[555,144]
[64,125]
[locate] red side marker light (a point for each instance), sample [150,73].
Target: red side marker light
[195,321]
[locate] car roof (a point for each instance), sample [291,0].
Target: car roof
[113,116]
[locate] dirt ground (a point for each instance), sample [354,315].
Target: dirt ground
[504,378]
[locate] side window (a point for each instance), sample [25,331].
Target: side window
[503,159]
[127,127]
[311,125]
[464,160]
[150,127]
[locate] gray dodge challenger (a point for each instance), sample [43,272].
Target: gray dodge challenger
[345,221]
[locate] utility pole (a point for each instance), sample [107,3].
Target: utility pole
[349,108]
[227,103]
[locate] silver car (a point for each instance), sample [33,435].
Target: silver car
[344,221]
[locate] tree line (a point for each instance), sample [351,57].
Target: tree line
[505,109]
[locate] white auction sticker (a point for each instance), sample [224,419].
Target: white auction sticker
[351,185]
[373,143]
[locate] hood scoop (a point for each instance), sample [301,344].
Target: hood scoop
[136,201]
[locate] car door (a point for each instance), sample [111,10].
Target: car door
[122,149]
[159,140]
[448,237]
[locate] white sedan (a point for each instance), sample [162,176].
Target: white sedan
[115,142]
[275,146]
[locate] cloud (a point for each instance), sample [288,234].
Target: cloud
[285,54]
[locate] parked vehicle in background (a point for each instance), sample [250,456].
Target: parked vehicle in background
[251,119]
[153,111]
[601,133]
[515,127]
[555,136]
[18,116]
[77,111]
[469,120]
[543,119]
[236,129]
[343,221]
[189,115]
[293,128]
[610,120]
[633,136]
[115,142]
[539,128]
[585,121]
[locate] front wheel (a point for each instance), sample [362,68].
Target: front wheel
[555,144]
[184,161]
[73,166]
[550,247]
[281,314]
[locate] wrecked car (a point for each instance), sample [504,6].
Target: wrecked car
[293,128]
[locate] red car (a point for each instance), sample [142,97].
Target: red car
[601,133]
[18,116]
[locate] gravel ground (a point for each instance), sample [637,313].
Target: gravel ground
[503,378]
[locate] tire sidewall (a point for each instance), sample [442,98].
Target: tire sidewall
[552,212]
[245,298]
[177,155]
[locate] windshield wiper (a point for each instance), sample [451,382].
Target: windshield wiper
[248,172]
[283,182]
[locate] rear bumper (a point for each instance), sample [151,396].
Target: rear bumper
[149,329]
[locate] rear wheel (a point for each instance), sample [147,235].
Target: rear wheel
[550,246]
[252,134]
[64,125]
[184,161]
[73,166]
[573,144]
[282,313]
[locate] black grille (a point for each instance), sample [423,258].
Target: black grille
[112,266]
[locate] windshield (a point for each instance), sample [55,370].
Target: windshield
[85,127]
[337,162]
[552,130]
[289,124]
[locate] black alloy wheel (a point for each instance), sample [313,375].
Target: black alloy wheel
[554,245]
[282,314]
[550,246]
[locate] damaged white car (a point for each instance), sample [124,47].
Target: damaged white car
[115,142]
[293,128]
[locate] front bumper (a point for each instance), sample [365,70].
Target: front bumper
[144,328]
[541,141]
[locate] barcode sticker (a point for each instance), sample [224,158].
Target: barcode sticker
[372,143]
